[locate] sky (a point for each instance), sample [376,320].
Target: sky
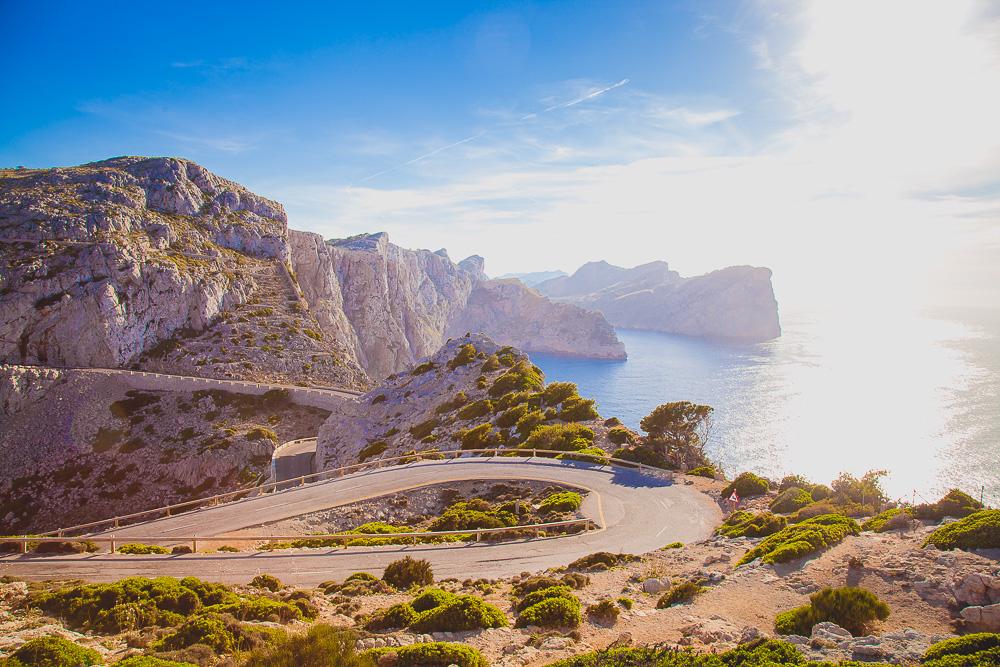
[852,146]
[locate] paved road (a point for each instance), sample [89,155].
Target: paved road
[294,459]
[639,513]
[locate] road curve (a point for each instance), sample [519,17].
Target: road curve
[639,513]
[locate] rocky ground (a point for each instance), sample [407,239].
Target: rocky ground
[79,446]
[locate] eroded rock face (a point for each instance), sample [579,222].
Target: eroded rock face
[734,303]
[396,305]
[105,260]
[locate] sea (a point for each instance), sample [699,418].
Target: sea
[917,396]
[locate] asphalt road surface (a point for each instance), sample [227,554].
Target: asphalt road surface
[638,512]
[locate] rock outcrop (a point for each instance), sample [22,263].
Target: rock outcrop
[395,306]
[108,261]
[736,303]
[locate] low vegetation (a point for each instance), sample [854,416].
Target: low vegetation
[680,593]
[895,518]
[142,549]
[438,611]
[799,540]
[955,503]
[408,572]
[748,524]
[321,646]
[52,652]
[853,609]
[790,500]
[746,485]
[601,560]
[430,654]
[980,530]
[973,650]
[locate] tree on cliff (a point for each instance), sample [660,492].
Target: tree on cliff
[679,431]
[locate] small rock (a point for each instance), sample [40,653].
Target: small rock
[655,585]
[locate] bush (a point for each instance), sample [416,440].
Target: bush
[395,617]
[969,645]
[466,355]
[430,654]
[980,530]
[477,409]
[529,422]
[704,471]
[672,545]
[521,377]
[575,580]
[620,435]
[747,524]
[802,539]
[55,652]
[430,598]
[605,612]
[894,518]
[588,455]
[464,612]
[150,661]
[480,437]
[408,572]
[680,594]
[746,485]
[559,612]
[142,549]
[321,646]
[625,603]
[562,501]
[84,546]
[491,364]
[208,630]
[535,583]
[559,437]
[851,608]
[533,598]
[425,367]
[180,549]
[578,409]
[829,506]
[790,500]
[955,503]
[454,403]
[259,609]
[424,429]
[372,449]
[601,560]
[361,576]
[643,454]
[820,492]
[267,582]
[510,417]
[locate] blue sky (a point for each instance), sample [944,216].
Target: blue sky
[545,134]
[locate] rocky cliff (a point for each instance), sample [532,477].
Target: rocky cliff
[395,306]
[129,260]
[736,303]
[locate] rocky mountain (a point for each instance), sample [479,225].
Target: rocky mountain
[533,278]
[735,303]
[159,264]
[395,306]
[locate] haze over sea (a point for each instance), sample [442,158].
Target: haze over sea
[917,395]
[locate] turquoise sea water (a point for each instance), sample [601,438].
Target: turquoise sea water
[917,395]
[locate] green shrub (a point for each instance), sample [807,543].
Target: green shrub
[372,449]
[625,603]
[395,617]
[888,520]
[955,503]
[259,609]
[142,549]
[477,409]
[534,597]
[430,598]
[555,393]
[746,485]
[643,454]
[211,631]
[379,399]
[321,646]
[552,612]
[851,608]
[361,576]
[680,594]
[55,652]
[78,547]
[424,429]
[601,560]
[521,377]
[802,539]
[820,492]
[560,437]
[605,612]
[575,580]
[830,506]
[672,545]
[980,530]
[620,435]
[588,455]
[466,355]
[529,422]
[456,401]
[464,612]
[510,417]
[480,437]
[407,572]
[459,517]
[790,500]
[267,582]
[972,645]
[578,409]
[747,524]
[562,501]
[491,364]
[704,471]
[150,661]
[429,654]
[535,583]
[425,367]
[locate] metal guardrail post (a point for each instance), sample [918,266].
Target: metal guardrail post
[24,546]
[194,545]
[114,545]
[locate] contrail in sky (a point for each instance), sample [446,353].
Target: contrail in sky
[554,107]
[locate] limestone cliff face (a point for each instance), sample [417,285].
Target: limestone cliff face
[128,260]
[397,305]
[735,303]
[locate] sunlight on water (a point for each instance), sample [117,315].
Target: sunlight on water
[917,395]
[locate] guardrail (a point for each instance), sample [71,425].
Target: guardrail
[345,538]
[326,475]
